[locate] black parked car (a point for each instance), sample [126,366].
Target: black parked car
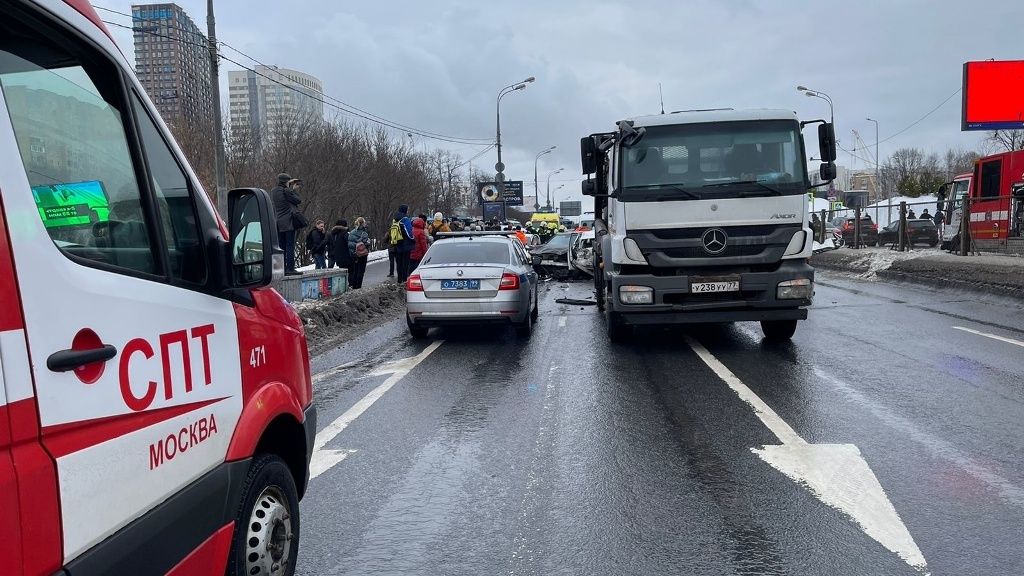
[920,232]
[868,230]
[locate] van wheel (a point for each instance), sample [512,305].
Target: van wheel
[266,538]
[778,330]
[417,332]
[618,331]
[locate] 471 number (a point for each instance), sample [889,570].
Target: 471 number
[258,356]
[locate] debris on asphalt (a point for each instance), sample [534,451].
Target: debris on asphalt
[576,302]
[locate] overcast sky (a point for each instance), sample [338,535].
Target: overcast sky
[438,65]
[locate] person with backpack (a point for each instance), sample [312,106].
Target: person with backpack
[339,246]
[420,244]
[401,238]
[316,243]
[438,225]
[359,250]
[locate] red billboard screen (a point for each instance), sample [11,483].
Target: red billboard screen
[993,95]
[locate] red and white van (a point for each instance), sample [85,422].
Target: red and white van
[155,396]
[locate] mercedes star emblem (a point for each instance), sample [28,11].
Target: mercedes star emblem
[714,240]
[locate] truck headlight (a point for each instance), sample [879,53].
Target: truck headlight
[632,250]
[799,289]
[636,295]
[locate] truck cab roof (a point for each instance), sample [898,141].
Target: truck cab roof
[720,115]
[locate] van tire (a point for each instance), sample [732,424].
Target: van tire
[267,521]
[778,330]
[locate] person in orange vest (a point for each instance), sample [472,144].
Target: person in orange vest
[521,235]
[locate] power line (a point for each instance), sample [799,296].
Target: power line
[350,112]
[918,121]
[357,109]
[325,99]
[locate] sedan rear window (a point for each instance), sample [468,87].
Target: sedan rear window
[468,253]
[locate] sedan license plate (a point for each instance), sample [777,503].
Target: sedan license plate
[701,287]
[460,285]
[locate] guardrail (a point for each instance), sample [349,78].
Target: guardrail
[994,224]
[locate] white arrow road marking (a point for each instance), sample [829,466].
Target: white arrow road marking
[323,459]
[992,336]
[835,473]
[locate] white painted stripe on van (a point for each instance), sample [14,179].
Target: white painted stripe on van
[110,463]
[15,372]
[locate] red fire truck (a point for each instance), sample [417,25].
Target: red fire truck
[996,192]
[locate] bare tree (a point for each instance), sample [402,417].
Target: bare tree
[912,172]
[1005,140]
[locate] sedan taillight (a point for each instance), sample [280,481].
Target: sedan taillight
[414,283]
[509,281]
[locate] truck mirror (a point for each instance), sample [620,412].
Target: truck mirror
[588,154]
[589,187]
[827,171]
[827,142]
[253,240]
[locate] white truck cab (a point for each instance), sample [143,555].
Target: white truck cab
[156,410]
[702,216]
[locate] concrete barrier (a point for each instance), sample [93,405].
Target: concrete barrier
[312,285]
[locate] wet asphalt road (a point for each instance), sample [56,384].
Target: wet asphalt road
[565,454]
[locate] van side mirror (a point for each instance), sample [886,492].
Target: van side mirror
[827,172]
[253,240]
[827,142]
[588,154]
[589,187]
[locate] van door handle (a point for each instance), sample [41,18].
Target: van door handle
[68,360]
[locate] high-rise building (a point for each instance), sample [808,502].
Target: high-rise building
[261,100]
[172,63]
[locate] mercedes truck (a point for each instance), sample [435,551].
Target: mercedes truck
[702,216]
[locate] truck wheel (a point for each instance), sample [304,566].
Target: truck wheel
[618,331]
[417,332]
[778,330]
[266,539]
[599,289]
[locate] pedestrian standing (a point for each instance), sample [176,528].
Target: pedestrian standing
[339,246]
[317,244]
[940,222]
[401,238]
[391,252]
[911,215]
[286,200]
[925,215]
[359,250]
[438,225]
[420,245]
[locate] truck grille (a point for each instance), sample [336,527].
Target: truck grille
[731,250]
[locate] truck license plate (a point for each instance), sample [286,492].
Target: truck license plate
[700,287]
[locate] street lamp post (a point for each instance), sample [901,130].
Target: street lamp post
[536,189]
[878,180]
[819,94]
[501,94]
[550,207]
[557,188]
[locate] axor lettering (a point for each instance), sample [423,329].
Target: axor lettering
[137,396]
[180,442]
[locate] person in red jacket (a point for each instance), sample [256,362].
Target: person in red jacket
[419,236]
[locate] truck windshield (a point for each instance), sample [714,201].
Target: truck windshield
[714,160]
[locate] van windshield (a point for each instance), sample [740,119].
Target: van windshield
[702,161]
